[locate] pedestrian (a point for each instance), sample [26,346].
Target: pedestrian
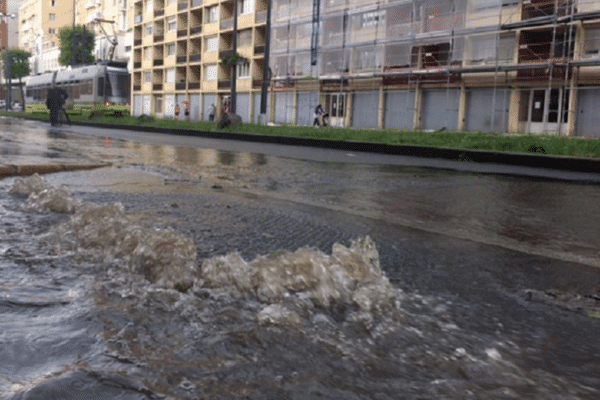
[55,102]
[186,112]
[177,110]
[211,112]
[318,112]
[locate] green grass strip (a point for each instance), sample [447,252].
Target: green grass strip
[540,144]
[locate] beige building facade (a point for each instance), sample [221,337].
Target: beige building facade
[41,20]
[179,49]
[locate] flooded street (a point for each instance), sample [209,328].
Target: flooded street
[190,271]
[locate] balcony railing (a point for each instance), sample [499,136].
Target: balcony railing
[182,6]
[137,88]
[159,38]
[196,3]
[181,59]
[137,65]
[257,83]
[182,32]
[227,24]
[194,57]
[224,84]
[157,86]
[193,85]
[180,86]
[261,17]
[159,13]
[137,42]
[260,49]
[195,30]
[158,63]
[225,54]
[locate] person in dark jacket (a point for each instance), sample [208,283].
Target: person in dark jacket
[57,98]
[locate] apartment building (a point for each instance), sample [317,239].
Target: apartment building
[40,21]
[481,65]
[179,49]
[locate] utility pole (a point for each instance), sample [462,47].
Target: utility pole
[266,70]
[234,65]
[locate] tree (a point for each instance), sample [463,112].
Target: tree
[76,45]
[15,64]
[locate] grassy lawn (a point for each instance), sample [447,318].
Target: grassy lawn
[541,144]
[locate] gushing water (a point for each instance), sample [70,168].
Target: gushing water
[300,324]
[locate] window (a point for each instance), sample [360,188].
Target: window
[52,3]
[148,29]
[592,42]
[212,14]
[372,19]
[171,50]
[148,53]
[246,7]
[147,77]
[172,24]
[243,70]
[148,6]
[212,43]
[211,72]
[171,75]
[52,17]
[52,31]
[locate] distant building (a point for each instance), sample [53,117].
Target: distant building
[41,20]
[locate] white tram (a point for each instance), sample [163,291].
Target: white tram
[98,83]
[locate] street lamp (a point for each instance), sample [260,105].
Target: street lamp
[8,98]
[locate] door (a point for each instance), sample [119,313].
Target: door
[335,105]
[547,111]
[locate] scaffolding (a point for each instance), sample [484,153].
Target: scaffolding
[526,60]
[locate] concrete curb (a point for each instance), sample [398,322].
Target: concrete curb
[562,163]
[30,169]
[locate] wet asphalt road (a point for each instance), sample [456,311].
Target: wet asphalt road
[513,251]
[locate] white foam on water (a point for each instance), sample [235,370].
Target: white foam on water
[350,276]
[43,198]
[165,257]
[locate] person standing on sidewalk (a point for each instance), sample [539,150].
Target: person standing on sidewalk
[211,112]
[57,98]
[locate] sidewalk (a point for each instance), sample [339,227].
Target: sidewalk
[533,160]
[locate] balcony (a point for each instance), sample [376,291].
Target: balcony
[159,13]
[158,63]
[180,86]
[182,32]
[194,57]
[182,6]
[137,88]
[181,59]
[225,54]
[193,85]
[225,84]
[227,24]
[137,65]
[259,49]
[159,38]
[137,42]
[196,3]
[157,86]
[256,83]
[195,30]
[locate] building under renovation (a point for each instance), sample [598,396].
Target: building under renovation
[480,65]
